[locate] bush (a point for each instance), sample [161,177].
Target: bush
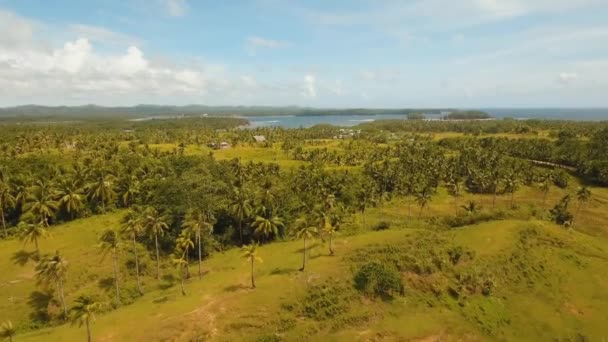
[560,213]
[378,279]
[382,225]
[560,178]
[326,301]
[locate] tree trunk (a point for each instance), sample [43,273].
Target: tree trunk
[157,257]
[3,222]
[304,256]
[494,199]
[545,199]
[364,221]
[198,238]
[88,330]
[252,278]
[141,292]
[241,231]
[36,245]
[512,195]
[186,266]
[181,278]
[62,298]
[331,247]
[114,264]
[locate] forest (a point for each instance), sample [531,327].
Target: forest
[408,211]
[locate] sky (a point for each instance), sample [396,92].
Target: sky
[317,53]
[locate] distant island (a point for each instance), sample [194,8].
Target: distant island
[468,115]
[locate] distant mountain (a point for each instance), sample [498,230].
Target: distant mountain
[145,110]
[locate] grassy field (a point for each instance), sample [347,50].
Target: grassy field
[557,290]
[567,295]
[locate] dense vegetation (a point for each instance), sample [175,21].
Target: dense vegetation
[180,201]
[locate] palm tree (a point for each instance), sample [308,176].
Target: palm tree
[582,196]
[109,243]
[7,331]
[305,232]
[545,186]
[155,225]
[250,253]
[198,222]
[132,228]
[184,242]
[511,184]
[329,228]
[101,189]
[180,264]
[240,208]
[32,233]
[7,201]
[267,226]
[71,197]
[83,312]
[423,198]
[41,204]
[51,271]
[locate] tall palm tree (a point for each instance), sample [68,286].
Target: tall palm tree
[52,271]
[41,204]
[71,197]
[155,225]
[132,228]
[184,243]
[582,196]
[423,198]
[109,243]
[545,186]
[305,232]
[201,224]
[250,253]
[266,226]
[32,233]
[240,208]
[101,189]
[83,312]
[7,202]
[7,331]
[330,229]
[180,264]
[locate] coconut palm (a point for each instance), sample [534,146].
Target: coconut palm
[267,226]
[51,271]
[423,198]
[101,188]
[155,225]
[330,229]
[180,264]
[250,253]
[132,228]
[305,232]
[511,182]
[32,233]
[41,204]
[184,243]
[110,243]
[83,312]
[201,224]
[582,196]
[240,208]
[71,197]
[7,331]
[7,202]
[545,186]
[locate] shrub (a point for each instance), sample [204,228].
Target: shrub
[560,178]
[378,279]
[382,225]
[560,213]
[325,301]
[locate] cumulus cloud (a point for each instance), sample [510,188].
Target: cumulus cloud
[254,43]
[309,89]
[176,8]
[567,77]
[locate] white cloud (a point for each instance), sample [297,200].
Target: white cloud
[102,35]
[309,88]
[254,43]
[176,8]
[567,77]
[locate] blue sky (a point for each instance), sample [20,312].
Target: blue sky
[356,53]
